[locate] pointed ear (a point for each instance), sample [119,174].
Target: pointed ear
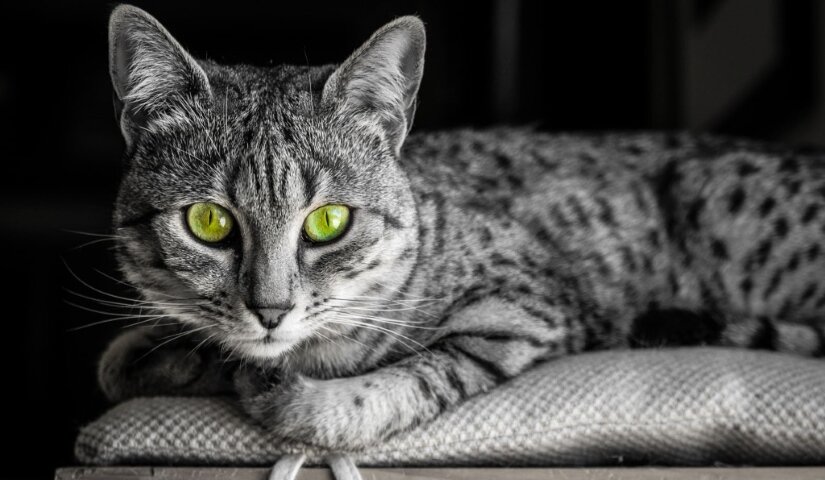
[151,73]
[381,78]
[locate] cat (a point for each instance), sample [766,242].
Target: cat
[348,280]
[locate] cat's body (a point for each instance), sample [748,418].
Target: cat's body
[641,221]
[470,256]
[619,228]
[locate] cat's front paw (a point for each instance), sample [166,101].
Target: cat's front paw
[263,394]
[251,383]
[138,364]
[322,413]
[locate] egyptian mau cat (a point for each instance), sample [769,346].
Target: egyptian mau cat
[349,281]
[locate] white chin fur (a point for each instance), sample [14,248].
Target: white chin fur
[260,350]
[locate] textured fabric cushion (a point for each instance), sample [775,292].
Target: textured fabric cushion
[672,407]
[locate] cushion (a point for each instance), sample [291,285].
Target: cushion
[695,406]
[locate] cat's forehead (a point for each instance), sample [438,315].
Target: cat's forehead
[269,162]
[262,144]
[274,111]
[266,91]
[270,178]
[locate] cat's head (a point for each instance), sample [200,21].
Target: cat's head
[264,206]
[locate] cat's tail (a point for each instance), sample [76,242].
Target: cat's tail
[680,327]
[803,338]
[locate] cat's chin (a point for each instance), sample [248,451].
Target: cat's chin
[264,349]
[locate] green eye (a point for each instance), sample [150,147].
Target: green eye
[209,222]
[326,223]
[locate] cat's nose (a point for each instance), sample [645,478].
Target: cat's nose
[270,316]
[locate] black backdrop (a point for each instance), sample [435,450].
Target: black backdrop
[744,67]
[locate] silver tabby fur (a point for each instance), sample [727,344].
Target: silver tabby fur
[472,255]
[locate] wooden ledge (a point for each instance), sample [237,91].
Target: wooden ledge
[626,473]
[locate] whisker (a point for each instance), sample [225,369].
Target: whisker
[93,234]
[231,354]
[118,319]
[110,277]
[329,340]
[119,297]
[145,289]
[172,324]
[202,342]
[396,290]
[390,321]
[172,338]
[108,303]
[94,289]
[380,300]
[117,314]
[385,307]
[400,309]
[92,242]
[132,303]
[402,338]
[402,300]
[143,323]
[342,334]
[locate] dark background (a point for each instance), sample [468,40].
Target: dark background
[744,67]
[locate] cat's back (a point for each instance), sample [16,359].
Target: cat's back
[749,216]
[509,162]
[498,165]
[629,182]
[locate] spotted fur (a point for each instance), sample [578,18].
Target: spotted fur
[472,255]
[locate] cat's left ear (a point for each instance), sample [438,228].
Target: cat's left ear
[381,78]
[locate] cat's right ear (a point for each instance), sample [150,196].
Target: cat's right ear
[153,76]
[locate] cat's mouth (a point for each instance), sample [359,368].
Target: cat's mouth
[257,342]
[265,339]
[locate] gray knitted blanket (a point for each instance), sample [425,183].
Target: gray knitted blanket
[672,407]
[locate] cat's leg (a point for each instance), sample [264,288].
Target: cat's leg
[484,344]
[139,363]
